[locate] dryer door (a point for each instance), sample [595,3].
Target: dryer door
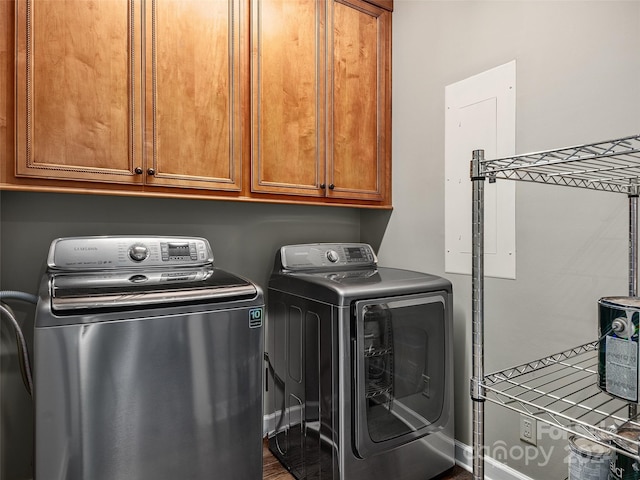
[400,354]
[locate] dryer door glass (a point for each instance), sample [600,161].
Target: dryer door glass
[400,345]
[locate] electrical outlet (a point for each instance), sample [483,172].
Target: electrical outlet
[528,430]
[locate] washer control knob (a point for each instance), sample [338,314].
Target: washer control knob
[332,256]
[138,252]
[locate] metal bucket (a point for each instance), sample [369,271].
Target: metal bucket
[588,460]
[624,467]
[618,346]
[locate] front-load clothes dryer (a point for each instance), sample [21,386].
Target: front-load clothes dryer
[148,363]
[361,366]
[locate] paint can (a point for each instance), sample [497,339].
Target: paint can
[624,467]
[588,460]
[618,347]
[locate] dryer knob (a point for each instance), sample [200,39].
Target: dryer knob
[138,252]
[332,256]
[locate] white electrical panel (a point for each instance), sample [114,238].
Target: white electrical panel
[480,113]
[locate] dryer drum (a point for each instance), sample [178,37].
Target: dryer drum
[618,346]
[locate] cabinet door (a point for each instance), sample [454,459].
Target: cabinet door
[359,128]
[288,90]
[193,113]
[78,114]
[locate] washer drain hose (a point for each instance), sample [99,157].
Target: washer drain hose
[25,364]
[16,295]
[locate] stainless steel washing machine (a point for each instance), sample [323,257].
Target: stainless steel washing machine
[361,366]
[148,363]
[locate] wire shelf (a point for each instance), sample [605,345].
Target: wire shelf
[562,390]
[612,165]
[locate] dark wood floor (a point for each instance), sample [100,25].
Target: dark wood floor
[273,470]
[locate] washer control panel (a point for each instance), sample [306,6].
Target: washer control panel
[328,256]
[103,253]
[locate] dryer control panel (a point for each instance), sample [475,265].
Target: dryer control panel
[104,253]
[327,256]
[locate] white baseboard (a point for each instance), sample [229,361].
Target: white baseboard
[493,470]
[268,424]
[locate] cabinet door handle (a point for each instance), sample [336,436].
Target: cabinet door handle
[151,171]
[331,186]
[323,186]
[138,171]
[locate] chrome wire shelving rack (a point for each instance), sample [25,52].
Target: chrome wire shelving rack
[562,389]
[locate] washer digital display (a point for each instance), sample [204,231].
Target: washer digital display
[179,250]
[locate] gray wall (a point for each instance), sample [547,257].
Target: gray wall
[244,238]
[578,80]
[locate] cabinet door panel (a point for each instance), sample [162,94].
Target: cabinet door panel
[360,117]
[193,89]
[288,91]
[77,115]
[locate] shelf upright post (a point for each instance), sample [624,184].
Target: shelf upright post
[633,255]
[634,189]
[477,274]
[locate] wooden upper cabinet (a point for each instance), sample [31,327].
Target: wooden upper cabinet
[193,94]
[288,94]
[321,99]
[78,115]
[359,131]
[99,99]
[262,99]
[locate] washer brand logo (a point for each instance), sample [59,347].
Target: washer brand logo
[255,317]
[85,249]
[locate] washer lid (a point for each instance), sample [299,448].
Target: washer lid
[341,287]
[113,289]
